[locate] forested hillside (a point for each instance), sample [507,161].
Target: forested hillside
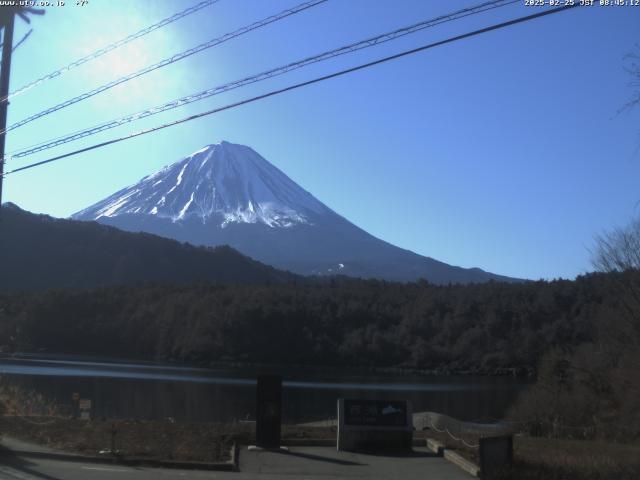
[39,252]
[483,327]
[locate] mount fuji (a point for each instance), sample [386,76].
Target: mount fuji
[228,194]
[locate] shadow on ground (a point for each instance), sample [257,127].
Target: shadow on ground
[320,458]
[9,459]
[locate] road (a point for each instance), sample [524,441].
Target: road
[312,463]
[20,468]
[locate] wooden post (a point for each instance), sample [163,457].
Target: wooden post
[5,71]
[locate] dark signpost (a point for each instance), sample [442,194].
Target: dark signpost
[268,411]
[374,424]
[375,412]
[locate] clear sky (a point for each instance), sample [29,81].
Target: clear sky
[503,151]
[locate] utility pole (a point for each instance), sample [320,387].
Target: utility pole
[7,20]
[5,69]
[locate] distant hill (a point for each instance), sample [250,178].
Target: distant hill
[40,252]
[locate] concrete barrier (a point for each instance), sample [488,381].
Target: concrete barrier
[462,462]
[435,446]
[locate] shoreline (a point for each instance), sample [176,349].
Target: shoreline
[521,372]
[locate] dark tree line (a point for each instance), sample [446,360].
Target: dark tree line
[481,328]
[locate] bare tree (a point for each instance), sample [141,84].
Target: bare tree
[632,67]
[617,252]
[619,249]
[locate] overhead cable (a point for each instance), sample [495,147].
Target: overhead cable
[300,85]
[168,61]
[110,47]
[350,48]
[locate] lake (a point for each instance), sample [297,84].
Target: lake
[148,391]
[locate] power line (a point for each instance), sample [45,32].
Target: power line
[168,61]
[350,48]
[300,85]
[24,37]
[109,48]
[22,40]
[370,42]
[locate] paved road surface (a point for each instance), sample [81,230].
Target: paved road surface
[327,463]
[313,463]
[17,468]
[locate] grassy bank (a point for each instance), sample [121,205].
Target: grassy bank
[163,440]
[538,458]
[202,442]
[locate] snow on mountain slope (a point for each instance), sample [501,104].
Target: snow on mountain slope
[227,194]
[222,183]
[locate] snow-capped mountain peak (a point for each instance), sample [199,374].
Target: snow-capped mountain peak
[227,194]
[223,183]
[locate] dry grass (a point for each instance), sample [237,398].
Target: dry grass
[15,400]
[556,459]
[204,442]
[542,458]
[30,417]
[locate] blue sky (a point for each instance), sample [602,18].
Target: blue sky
[504,151]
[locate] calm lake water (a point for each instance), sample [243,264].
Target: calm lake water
[154,391]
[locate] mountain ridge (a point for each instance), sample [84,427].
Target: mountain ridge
[227,193]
